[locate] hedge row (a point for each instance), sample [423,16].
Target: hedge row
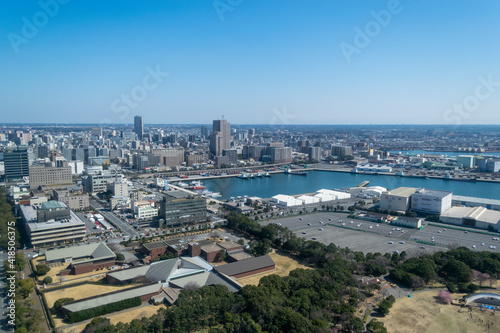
[104,309]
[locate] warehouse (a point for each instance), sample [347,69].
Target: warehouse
[397,200]
[478,217]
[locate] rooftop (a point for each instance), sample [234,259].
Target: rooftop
[93,251]
[244,266]
[116,296]
[52,204]
[30,217]
[435,193]
[403,191]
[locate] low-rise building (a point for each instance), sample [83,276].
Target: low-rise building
[82,259]
[247,267]
[408,222]
[478,217]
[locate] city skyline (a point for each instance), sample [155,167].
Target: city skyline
[382,62]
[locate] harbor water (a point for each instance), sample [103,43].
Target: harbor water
[266,187]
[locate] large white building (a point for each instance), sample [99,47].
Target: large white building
[431,201]
[466,161]
[397,200]
[478,217]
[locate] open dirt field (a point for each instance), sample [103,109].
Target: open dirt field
[284,265]
[125,317]
[423,314]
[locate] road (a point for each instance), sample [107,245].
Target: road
[126,228]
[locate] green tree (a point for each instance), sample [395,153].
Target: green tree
[120,257]
[47,280]
[58,304]
[26,287]
[41,269]
[375,326]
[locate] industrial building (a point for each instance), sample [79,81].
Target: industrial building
[475,202]
[397,200]
[466,161]
[478,217]
[431,201]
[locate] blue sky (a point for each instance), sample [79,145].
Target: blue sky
[253,61]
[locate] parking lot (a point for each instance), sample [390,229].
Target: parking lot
[471,239]
[366,236]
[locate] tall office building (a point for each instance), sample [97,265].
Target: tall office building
[16,163]
[139,127]
[204,132]
[221,137]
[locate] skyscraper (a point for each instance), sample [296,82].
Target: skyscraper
[139,127]
[221,137]
[16,163]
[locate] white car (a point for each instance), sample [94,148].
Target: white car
[390,242]
[371,227]
[320,229]
[473,246]
[321,222]
[402,242]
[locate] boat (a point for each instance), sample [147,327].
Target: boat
[267,174]
[297,173]
[197,185]
[243,176]
[182,176]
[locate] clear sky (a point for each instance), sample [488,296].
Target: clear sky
[253,61]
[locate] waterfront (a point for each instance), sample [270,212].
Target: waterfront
[266,187]
[444,153]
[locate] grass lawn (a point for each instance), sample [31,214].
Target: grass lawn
[423,314]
